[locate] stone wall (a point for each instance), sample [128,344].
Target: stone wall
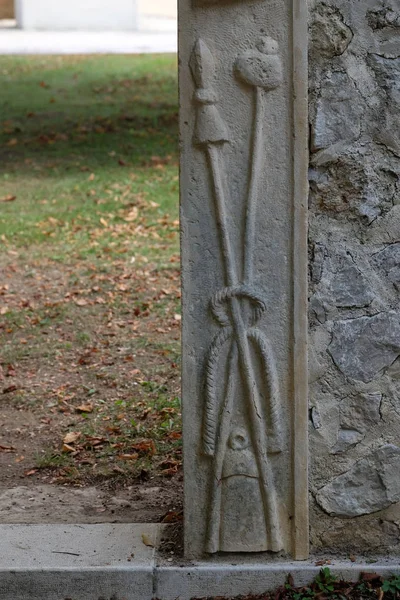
[355,275]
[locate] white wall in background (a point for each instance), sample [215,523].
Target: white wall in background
[84,15]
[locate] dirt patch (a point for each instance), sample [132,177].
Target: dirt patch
[152,502]
[89,393]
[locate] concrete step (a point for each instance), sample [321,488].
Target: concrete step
[119,562]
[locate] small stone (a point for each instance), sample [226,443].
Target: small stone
[386,70]
[338,112]
[347,438]
[317,264]
[348,285]
[360,412]
[330,36]
[316,418]
[362,348]
[371,485]
[317,308]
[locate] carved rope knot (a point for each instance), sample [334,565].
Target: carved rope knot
[221,300]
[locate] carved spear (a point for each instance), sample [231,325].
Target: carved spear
[211,133]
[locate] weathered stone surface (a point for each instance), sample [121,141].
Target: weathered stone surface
[380,18]
[387,72]
[354,207]
[371,485]
[330,36]
[345,186]
[386,229]
[317,264]
[362,348]
[341,283]
[347,284]
[358,414]
[244,252]
[338,112]
[388,262]
[349,288]
[347,438]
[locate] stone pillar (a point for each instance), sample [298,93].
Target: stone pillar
[243,87]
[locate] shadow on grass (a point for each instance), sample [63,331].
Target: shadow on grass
[100,115]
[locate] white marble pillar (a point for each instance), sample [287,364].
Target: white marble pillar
[243,123]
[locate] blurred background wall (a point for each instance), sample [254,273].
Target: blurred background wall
[7,9]
[90,14]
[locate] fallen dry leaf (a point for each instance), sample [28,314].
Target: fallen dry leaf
[31,472]
[92,441]
[67,448]
[173,517]
[72,437]
[6,448]
[11,388]
[84,408]
[8,198]
[147,541]
[148,446]
[81,302]
[129,456]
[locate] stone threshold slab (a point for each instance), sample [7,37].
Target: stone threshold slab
[78,562]
[115,562]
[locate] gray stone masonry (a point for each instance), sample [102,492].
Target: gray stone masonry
[354,251]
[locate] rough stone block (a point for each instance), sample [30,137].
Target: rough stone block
[371,485]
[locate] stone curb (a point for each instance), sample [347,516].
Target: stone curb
[130,583]
[149,582]
[231,580]
[119,562]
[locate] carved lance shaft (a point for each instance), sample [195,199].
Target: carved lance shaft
[211,133]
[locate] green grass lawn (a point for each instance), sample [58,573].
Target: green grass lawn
[89,150]
[89,288]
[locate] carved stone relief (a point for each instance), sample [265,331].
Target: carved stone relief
[242,425]
[244,159]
